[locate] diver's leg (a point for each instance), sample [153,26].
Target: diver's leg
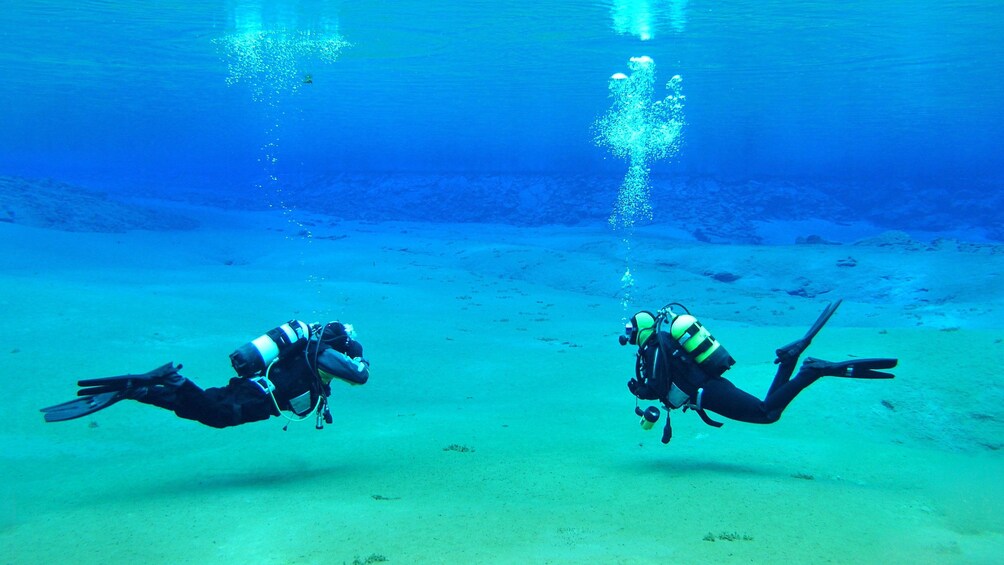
[787,356]
[812,369]
[722,397]
[783,375]
[239,402]
[779,398]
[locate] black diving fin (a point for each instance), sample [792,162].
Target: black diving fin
[164,374]
[854,369]
[791,352]
[82,406]
[98,394]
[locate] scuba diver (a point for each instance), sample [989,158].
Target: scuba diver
[289,368]
[682,367]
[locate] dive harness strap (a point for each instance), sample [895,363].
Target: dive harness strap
[263,383]
[696,407]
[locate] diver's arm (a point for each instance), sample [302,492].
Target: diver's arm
[332,363]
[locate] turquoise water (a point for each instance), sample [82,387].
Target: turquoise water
[488,191]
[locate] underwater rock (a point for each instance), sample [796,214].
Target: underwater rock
[723,276]
[807,288]
[944,205]
[731,232]
[814,240]
[945,244]
[48,204]
[896,239]
[711,209]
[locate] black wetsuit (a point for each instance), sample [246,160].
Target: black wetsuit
[659,368]
[243,400]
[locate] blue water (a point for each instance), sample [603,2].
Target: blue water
[106,92]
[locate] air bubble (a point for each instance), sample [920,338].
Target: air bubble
[641,130]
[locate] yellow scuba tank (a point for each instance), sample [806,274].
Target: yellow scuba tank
[698,343]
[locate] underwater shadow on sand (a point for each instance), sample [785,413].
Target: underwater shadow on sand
[200,484]
[695,466]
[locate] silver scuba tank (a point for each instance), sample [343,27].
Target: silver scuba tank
[255,356]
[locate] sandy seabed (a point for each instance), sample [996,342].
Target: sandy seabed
[496,427]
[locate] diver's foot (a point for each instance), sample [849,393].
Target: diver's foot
[856,369]
[791,352]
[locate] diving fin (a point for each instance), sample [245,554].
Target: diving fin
[81,407]
[855,369]
[98,394]
[166,374]
[791,352]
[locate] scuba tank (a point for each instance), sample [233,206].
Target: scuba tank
[695,340]
[255,356]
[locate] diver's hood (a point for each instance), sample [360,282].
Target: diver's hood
[641,328]
[339,337]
